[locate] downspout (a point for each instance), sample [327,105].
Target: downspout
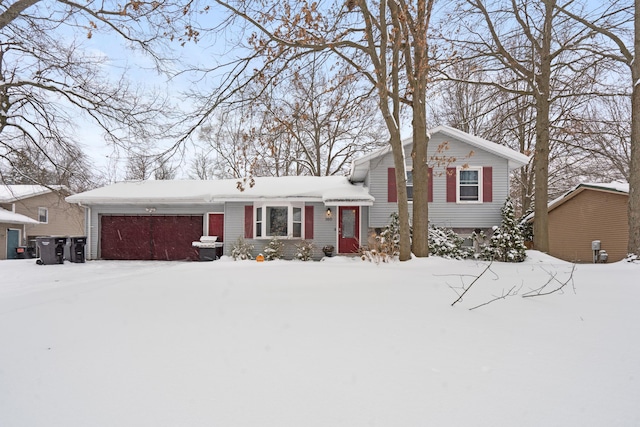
[87,228]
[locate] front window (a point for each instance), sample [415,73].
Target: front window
[297,222]
[469,188]
[279,220]
[43,215]
[410,185]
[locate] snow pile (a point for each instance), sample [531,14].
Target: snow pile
[334,343]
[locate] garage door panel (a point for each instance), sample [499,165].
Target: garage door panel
[131,237]
[125,238]
[172,237]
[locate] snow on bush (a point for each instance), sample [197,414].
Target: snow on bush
[241,250]
[445,243]
[384,247]
[304,250]
[507,242]
[274,249]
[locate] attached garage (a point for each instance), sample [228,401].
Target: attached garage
[150,237]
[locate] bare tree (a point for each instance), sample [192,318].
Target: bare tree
[385,43]
[231,154]
[545,51]
[201,166]
[71,168]
[619,23]
[49,82]
[320,118]
[139,167]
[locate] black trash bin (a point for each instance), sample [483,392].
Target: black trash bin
[76,252]
[51,249]
[21,252]
[31,251]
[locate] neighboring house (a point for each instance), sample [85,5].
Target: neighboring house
[160,219]
[586,213]
[52,215]
[12,228]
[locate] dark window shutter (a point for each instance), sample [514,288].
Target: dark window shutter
[392,191]
[308,222]
[430,195]
[487,184]
[248,222]
[451,185]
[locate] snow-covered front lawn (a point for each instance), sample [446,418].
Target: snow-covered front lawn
[334,343]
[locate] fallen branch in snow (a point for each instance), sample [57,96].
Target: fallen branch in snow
[541,291]
[471,284]
[511,293]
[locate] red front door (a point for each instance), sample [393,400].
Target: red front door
[216,226]
[348,229]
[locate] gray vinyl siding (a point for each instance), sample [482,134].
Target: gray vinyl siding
[325,231]
[441,213]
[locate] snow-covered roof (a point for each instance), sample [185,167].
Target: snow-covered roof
[614,187]
[334,190]
[8,217]
[12,193]
[617,187]
[360,166]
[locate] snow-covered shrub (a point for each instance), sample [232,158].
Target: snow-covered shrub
[274,249]
[445,243]
[385,246]
[507,242]
[526,227]
[632,258]
[304,251]
[478,239]
[241,250]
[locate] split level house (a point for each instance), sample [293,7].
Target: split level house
[159,220]
[30,211]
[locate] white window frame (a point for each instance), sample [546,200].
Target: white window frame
[262,208]
[469,168]
[409,170]
[42,210]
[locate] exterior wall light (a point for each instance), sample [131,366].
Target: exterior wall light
[328,214]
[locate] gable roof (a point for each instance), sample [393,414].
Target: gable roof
[13,193]
[360,166]
[611,187]
[333,190]
[8,217]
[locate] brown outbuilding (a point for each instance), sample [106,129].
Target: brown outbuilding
[588,213]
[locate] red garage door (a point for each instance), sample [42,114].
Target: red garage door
[149,237]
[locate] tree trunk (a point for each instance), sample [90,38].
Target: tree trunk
[420,138]
[420,179]
[541,157]
[634,167]
[401,188]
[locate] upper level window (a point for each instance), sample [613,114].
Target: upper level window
[278,220]
[469,184]
[410,185]
[43,215]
